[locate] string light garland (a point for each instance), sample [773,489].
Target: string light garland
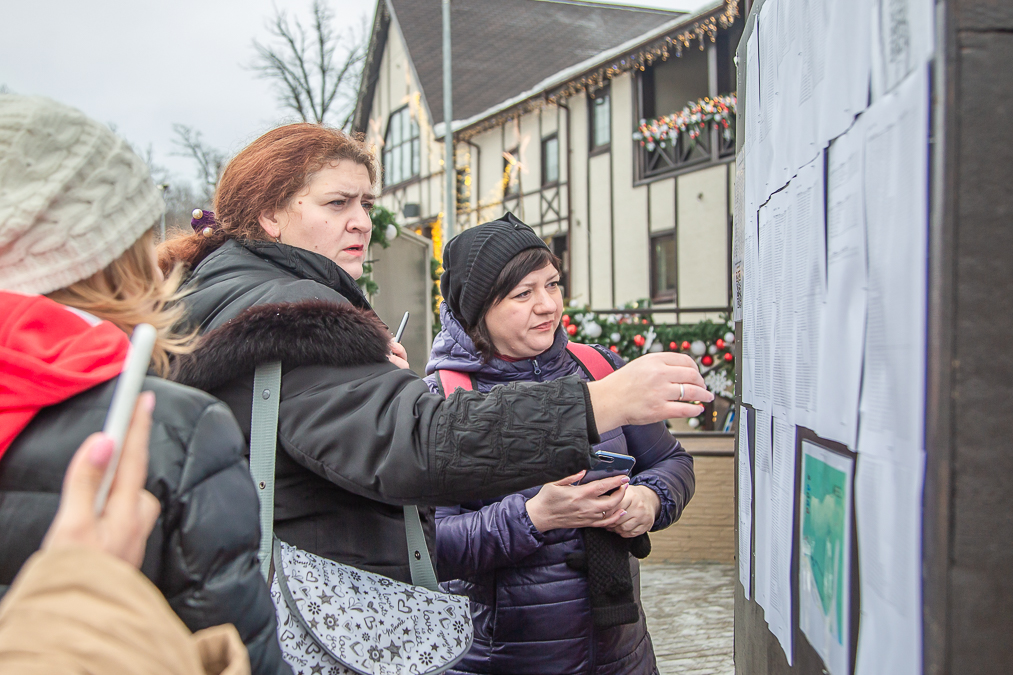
[701,32]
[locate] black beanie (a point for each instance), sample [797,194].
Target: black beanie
[473,260]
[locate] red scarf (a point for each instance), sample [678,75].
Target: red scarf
[48,354]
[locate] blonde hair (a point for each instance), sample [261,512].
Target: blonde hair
[127,293]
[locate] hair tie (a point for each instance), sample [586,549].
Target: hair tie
[203,222]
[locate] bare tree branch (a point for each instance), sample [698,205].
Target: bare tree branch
[302,66]
[210,161]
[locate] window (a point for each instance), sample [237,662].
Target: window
[401,159]
[511,172]
[550,160]
[558,244]
[663,267]
[668,86]
[601,119]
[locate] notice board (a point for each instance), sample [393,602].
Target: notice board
[857,285]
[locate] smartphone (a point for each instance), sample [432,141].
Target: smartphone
[608,464]
[128,388]
[400,329]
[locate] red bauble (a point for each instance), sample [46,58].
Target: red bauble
[685,345]
[719,343]
[566,319]
[673,346]
[615,350]
[707,360]
[639,340]
[571,330]
[729,356]
[644,321]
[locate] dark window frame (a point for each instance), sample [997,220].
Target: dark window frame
[413,143]
[668,294]
[544,155]
[606,93]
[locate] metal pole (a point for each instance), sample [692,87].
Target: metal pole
[450,197]
[163,188]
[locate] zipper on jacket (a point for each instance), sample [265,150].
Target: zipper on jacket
[538,369]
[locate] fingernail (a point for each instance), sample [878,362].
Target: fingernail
[626,479]
[101,451]
[149,401]
[622,514]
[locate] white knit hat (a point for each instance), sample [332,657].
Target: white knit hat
[73,195]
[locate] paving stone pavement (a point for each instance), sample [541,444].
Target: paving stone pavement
[689,615]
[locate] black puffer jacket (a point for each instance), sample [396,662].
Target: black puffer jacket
[202,553]
[359,437]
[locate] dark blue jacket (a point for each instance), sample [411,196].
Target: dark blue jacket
[532,612]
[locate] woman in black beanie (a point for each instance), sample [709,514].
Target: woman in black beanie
[551,572]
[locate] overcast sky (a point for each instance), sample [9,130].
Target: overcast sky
[143,66]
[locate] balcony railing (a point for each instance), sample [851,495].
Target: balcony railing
[699,134]
[684,152]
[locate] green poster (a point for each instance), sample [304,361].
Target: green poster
[826,485]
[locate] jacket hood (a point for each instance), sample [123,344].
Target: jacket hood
[49,353]
[454,350]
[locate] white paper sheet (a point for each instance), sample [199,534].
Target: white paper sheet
[903,41]
[844,91]
[763,307]
[782,302]
[888,508]
[773,141]
[842,329]
[750,291]
[782,512]
[808,265]
[745,478]
[888,495]
[801,76]
[763,462]
[892,404]
[824,573]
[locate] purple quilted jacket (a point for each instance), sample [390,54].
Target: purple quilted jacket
[533,613]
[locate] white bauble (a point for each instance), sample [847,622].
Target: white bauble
[698,348]
[592,330]
[693,422]
[730,338]
[655,348]
[615,337]
[712,350]
[390,232]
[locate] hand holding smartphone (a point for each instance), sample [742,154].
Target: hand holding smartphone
[128,388]
[607,465]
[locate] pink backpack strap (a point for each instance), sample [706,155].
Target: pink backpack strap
[451,380]
[594,363]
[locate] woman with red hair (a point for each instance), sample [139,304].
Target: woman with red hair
[272,278]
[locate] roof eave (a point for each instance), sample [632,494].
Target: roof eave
[371,68]
[573,72]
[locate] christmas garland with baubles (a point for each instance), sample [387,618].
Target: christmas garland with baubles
[691,120]
[710,343]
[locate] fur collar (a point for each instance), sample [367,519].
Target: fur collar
[309,332]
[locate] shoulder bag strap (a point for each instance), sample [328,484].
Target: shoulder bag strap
[263,445]
[450,380]
[593,362]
